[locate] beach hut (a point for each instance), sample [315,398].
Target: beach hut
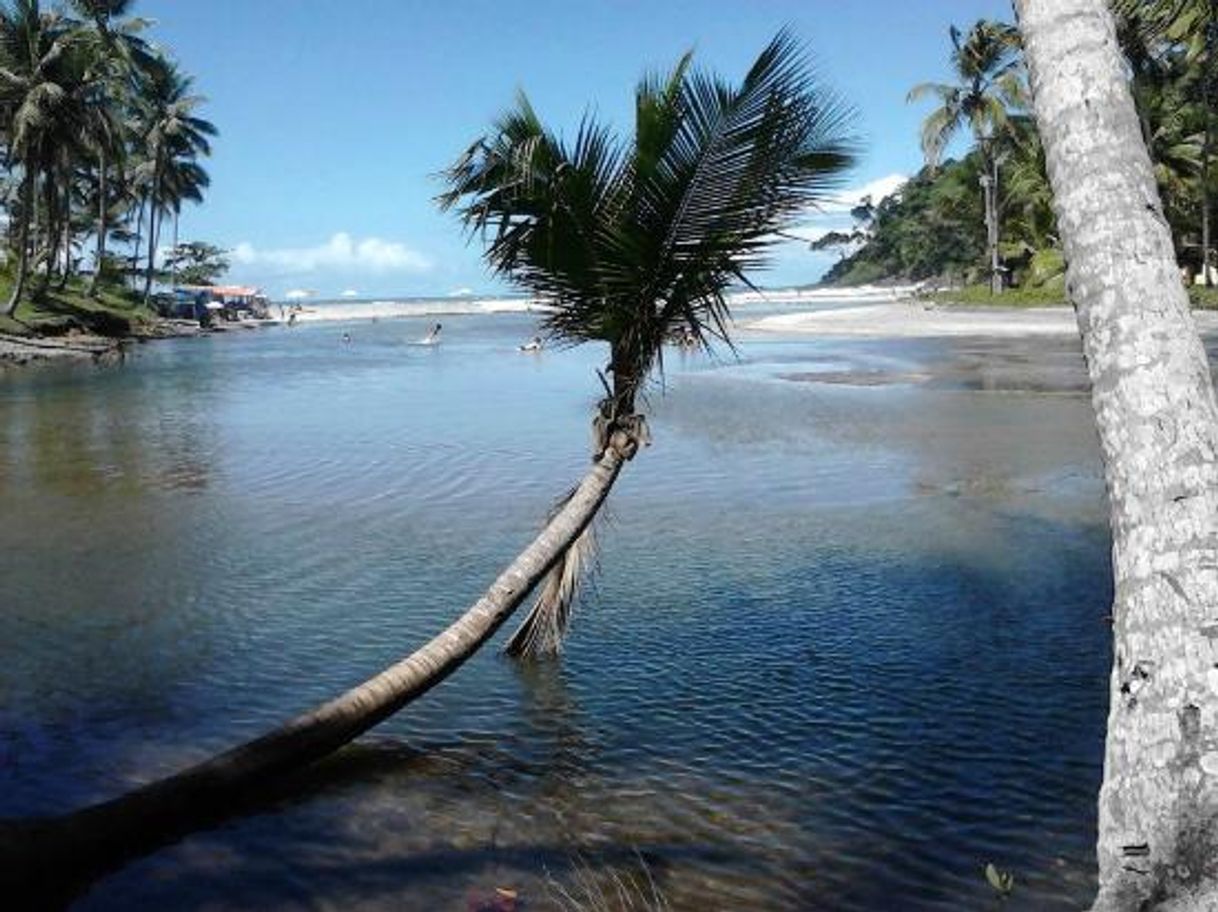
[237,302]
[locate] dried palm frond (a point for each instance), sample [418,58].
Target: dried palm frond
[541,633]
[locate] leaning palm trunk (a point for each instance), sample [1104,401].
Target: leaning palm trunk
[86,842]
[1158,425]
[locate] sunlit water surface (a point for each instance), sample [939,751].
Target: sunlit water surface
[846,644]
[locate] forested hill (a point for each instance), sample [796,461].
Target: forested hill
[936,227]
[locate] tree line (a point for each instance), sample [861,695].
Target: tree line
[987,217]
[102,140]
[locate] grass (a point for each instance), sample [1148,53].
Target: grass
[599,889]
[114,311]
[979,296]
[1203,298]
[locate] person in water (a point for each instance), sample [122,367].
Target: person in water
[434,336]
[347,337]
[533,346]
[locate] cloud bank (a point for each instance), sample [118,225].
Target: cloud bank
[341,253]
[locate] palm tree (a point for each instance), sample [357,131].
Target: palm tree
[1193,25]
[173,134]
[987,68]
[1027,192]
[184,180]
[117,52]
[626,242]
[39,112]
[631,242]
[1157,418]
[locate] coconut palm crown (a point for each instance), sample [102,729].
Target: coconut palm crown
[986,64]
[629,241]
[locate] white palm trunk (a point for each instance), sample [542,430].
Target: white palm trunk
[1158,427]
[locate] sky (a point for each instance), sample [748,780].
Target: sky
[336,115]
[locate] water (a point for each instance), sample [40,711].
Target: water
[845,647]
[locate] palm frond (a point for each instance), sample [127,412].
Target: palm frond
[545,627]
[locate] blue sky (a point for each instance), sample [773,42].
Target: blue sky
[336,114]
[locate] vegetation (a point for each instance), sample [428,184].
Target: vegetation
[196,263]
[989,213]
[978,295]
[986,67]
[105,310]
[101,138]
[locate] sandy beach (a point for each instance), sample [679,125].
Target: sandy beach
[918,319]
[911,319]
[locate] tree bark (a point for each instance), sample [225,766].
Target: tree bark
[23,243]
[1158,426]
[99,254]
[67,235]
[41,855]
[152,222]
[996,283]
[989,193]
[51,240]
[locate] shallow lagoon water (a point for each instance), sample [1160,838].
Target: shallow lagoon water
[846,644]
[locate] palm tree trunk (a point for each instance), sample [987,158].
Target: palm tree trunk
[989,194]
[173,278]
[139,240]
[1158,425]
[99,254]
[51,235]
[153,192]
[23,243]
[152,241]
[67,238]
[35,856]
[996,283]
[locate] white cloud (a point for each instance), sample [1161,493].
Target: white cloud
[461,293]
[834,215]
[876,189]
[341,252]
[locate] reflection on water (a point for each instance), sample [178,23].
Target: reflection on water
[845,647]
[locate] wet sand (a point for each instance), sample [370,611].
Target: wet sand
[1001,350]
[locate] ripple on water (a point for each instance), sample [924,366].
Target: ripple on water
[823,666]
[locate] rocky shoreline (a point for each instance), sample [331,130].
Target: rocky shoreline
[78,346]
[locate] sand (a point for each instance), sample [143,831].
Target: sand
[918,319]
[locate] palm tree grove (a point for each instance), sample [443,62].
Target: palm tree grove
[329,577]
[103,139]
